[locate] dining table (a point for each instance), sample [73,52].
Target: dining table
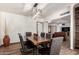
[39,41]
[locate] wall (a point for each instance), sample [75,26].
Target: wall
[53,29]
[46,27]
[72,27]
[59,26]
[42,27]
[16,24]
[2,27]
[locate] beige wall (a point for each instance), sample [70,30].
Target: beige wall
[15,24]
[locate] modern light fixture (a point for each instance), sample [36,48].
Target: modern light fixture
[37,13]
[35,8]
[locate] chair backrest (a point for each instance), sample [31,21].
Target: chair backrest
[42,34]
[28,34]
[35,34]
[56,45]
[60,34]
[48,35]
[21,40]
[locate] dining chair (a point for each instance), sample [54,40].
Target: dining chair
[28,34]
[25,48]
[35,34]
[42,34]
[60,34]
[46,45]
[48,35]
[55,47]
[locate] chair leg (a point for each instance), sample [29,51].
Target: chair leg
[23,53]
[34,51]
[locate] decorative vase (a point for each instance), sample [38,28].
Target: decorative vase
[6,41]
[35,36]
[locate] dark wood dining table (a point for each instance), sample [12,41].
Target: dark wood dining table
[38,42]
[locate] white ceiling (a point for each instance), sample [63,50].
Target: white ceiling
[61,20]
[18,8]
[54,7]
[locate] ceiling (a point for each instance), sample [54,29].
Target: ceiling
[61,20]
[26,8]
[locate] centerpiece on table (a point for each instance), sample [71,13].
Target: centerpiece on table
[35,36]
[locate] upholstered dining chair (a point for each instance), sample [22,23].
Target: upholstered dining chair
[42,34]
[28,34]
[25,48]
[48,35]
[60,34]
[55,47]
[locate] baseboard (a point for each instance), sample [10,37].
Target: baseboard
[14,43]
[10,43]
